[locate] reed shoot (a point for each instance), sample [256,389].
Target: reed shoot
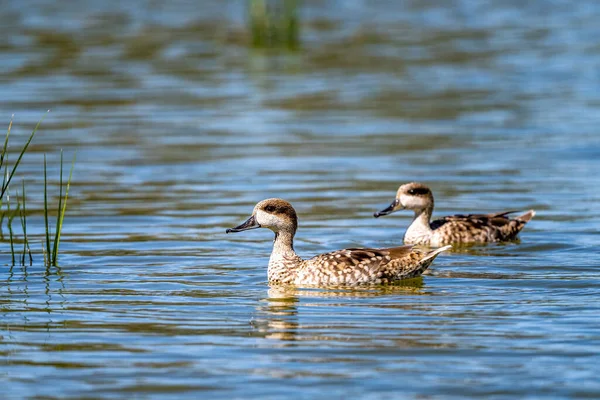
[23,217]
[11,237]
[51,252]
[274,24]
[8,177]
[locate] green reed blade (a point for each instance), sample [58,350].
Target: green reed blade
[258,20]
[10,230]
[62,212]
[46,213]
[22,228]
[1,204]
[25,225]
[274,24]
[14,169]
[56,227]
[45,258]
[5,148]
[23,218]
[10,236]
[291,24]
[4,178]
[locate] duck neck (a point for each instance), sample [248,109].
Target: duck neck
[284,262]
[419,227]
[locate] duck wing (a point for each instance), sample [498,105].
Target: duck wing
[370,266]
[475,221]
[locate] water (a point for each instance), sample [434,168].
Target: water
[180,129]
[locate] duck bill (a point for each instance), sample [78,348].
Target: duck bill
[246,226]
[389,209]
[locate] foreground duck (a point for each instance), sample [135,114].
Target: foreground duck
[349,267]
[454,229]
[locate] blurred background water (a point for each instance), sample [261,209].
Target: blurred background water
[181,126]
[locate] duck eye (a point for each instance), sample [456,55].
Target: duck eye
[418,191]
[270,208]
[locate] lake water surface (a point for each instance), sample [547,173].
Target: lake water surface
[180,128]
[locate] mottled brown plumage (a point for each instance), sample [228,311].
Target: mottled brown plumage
[349,267]
[454,229]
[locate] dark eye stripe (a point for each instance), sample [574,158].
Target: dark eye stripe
[269,208]
[419,191]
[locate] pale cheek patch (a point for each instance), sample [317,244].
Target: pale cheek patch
[268,220]
[263,218]
[405,201]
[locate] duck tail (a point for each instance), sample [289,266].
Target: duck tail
[424,263]
[434,253]
[524,218]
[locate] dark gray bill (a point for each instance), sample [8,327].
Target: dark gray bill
[388,210]
[249,224]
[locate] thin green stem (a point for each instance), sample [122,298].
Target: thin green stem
[23,218]
[57,226]
[14,169]
[10,229]
[62,211]
[49,260]
[5,148]
[1,203]
[46,263]
[22,227]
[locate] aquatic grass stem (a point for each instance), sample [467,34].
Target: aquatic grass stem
[4,156]
[5,147]
[11,216]
[274,24]
[258,22]
[47,225]
[23,217]
[62,205]
[51,251]
[2,214]
[6,182]
[57,226]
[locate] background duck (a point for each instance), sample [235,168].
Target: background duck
[454,229]
[346,267]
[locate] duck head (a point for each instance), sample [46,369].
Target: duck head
[412,196]
[275,214]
